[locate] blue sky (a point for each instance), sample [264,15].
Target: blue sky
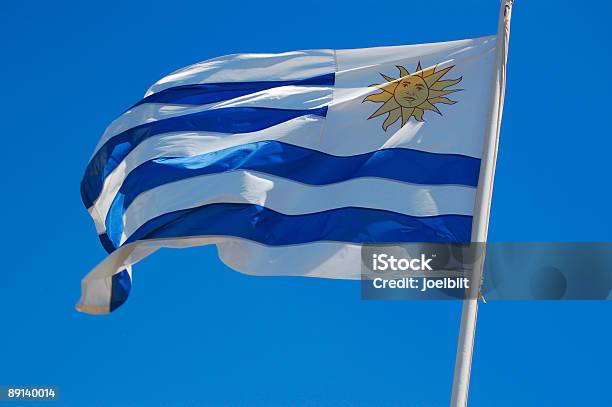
[195,333]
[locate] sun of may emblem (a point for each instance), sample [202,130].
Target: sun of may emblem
[411,94]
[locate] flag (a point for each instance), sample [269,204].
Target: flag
[290,162]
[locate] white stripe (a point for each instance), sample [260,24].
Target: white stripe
[318,259]
[364,58]
[294,198]
[251,68]
[336,260]
[284,97]
[305,129]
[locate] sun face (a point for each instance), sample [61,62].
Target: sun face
[411,94]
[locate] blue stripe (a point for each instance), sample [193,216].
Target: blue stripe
[226,120]
[107,243]
[202,93]
[263,225]
[121,285]
[296,163]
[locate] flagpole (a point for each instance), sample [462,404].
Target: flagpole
[467,330]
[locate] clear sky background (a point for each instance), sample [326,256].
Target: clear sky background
[195,333]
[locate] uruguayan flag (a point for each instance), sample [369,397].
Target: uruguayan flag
[288,162]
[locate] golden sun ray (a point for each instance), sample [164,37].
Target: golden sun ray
[389,105]
[387,87]
[445,84]
[428,71]
[437,93]
[406,113]
[418,114]
[434,77]
[388,78]
[428,106]
[403,71]
[378,97]
[446,101]
[412,94]
[392,118]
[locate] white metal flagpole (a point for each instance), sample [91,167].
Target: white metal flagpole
[465,346]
